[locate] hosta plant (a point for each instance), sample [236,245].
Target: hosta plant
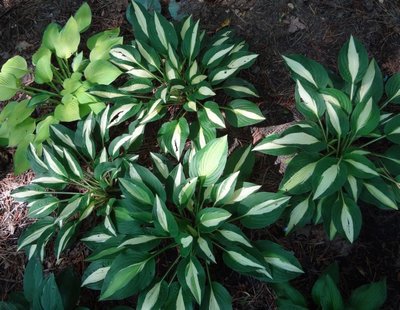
[62,75]
[176,68]
[45,292]
[179,223]
[76,178]
[326,294]
[346,151]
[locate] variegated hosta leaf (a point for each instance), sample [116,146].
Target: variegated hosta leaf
[107,92]
[41,228]
[328,177]
[137,191]
[154,297]
[95,274]
[262,209]
[125,140]
[239,88]
[337,119]
[125,269]
[301,211]
[337,98]
[298,174]
[185,192]
[214,114]
[28,192]
[353,61]
[60,133]
[221,74]
[125,53]
[73,163]
[380,193]
[223,190]
[268,146]
[191,41]
[72,206]
[371,85]
[204,164]
[64,237]
[309,101]
[243,113]
[232,233]
[365,117]
[392,88]
[164,218]
[211,218]
[161,164]
[280,260]
[360,166]
[348,218]
[214,56]
[392,129]
[243,192]
[191,276]
[305,138]
[54,164]
[307,70]
[206,248]
[138,240]
[217,297]
[137,86]
[42,207]
[173,136]
[239,260]
[241,59]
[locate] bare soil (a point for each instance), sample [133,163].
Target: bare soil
[315,28]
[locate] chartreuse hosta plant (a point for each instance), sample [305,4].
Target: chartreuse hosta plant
[326,294]
[176,68]
[62,76]
[347,148]
[45,292]
[177,224]
[76,178]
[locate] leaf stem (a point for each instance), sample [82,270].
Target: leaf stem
[373,141]
[42,91]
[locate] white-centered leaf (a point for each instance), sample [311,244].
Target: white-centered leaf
[300,70]
[192,280]
[381,196]
[298,213]
[367,81]
[267,206]
[328,177]
[138,240]
[203,244]
[347,222]
[300,177]
[353,59]
[96,276]
[282,264]
[235,237]
[152,295]
[300,138]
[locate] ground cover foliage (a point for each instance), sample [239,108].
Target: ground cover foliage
[156,228]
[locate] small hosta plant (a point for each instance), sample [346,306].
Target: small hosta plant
[76,178]
[176,68]
[175,225]
[45,292]
[347,148]
[62,75]
[326,295]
